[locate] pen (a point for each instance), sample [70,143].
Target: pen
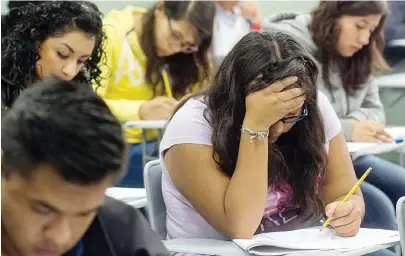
[326,223]
[167,84]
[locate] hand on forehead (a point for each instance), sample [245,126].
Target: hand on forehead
[292,86]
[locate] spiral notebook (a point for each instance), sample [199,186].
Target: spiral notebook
[315,241]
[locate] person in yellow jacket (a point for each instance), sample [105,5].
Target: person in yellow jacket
[171,37]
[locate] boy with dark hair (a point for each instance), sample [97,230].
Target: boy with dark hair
[61,149]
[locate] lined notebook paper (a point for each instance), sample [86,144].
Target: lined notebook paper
[311,239]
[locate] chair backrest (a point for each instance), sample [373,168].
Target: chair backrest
[401,222]
[156,207]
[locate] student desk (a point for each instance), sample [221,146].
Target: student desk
[397,43]
[135,197]
[391,81]
[358,149]
[395,83]
[228,248]
[144,125]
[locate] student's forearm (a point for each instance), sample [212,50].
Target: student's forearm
[245,198]
[375,114]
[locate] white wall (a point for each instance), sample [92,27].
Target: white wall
[267,7]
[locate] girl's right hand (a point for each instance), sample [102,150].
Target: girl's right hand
[266,107]
[370,131]
[159,108]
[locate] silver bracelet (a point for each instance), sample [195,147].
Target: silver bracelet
[253,135]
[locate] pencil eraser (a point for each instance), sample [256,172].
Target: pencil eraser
[399,141]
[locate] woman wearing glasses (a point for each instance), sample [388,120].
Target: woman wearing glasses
[171,37]
[270,148]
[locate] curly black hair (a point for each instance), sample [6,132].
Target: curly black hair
[31,25]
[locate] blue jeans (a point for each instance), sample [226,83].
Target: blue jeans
[388,177]
[380,212]
[134,176]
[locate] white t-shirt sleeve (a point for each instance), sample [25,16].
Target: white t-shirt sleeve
[331,121]
[188,126]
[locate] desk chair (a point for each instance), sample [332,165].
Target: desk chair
[401,222]
[156,211]
[159,125]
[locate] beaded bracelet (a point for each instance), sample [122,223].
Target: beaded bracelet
[253,135]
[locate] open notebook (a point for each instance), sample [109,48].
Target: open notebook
[312,240]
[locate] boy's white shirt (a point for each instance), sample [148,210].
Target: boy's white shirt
[226,35]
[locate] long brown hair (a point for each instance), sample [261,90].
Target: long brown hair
[185,69]
[298,156]
[357,69]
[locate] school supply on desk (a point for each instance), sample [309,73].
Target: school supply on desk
[310,240]
[166,83]
[351,192]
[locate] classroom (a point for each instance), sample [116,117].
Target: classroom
[193,128]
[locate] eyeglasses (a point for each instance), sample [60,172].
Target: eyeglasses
[294,119]
[186,47]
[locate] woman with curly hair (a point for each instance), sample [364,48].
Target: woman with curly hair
[171,37]
[271,151]
[347,38]
[58,38]
[6,23]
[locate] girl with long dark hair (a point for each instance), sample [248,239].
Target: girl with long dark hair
[259,151]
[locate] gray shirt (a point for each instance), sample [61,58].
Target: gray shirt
[365,104]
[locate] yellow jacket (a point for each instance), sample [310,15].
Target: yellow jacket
[123,86]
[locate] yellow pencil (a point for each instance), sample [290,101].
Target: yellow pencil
[167,84]
[348,195]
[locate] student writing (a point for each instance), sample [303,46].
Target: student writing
[173,36]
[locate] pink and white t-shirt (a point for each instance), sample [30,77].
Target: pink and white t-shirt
[183,221]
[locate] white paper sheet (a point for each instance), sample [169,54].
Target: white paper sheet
[126,194]
[313,239]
